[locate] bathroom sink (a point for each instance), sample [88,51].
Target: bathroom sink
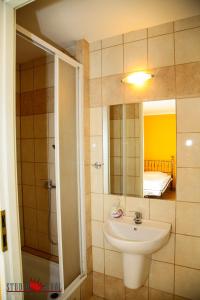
[136,242]
[144,238]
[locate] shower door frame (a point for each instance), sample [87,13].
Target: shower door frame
[59,55]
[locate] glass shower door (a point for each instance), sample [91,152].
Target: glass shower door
[68,173]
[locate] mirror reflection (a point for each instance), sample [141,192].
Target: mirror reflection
[140,149]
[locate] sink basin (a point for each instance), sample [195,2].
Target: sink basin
[136,242]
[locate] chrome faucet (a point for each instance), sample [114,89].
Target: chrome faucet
[138,217]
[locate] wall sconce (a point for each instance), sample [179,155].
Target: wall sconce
[137,78]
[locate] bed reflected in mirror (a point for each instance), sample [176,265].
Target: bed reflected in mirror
[159,179]
[139,145]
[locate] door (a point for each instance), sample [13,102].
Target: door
[69,173]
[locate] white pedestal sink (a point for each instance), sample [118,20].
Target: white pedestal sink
[136,242]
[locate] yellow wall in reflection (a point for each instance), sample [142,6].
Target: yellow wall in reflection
[159,137]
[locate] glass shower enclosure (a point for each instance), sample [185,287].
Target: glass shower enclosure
[65,184]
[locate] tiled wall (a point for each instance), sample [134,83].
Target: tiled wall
[35,137]
[125,134]
[116,149]
[172,52]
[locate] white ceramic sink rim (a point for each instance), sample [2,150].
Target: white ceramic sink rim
[148,237]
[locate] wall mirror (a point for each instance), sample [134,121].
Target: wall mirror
[139,143]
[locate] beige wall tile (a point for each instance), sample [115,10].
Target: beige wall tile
[28,174]
[116,147]
[94,46]
[113,264]
[95,92]
[137,294]
[160,29]
[187,282]
[98,284]
[166,281]
[187,218]
[166,254]
[97,207]
[112,90]
[112,41]
[98,259]
[26,80]
[41,173]
[40,126]
[159,295]
[30,221]
[42,221]
[163,211]
[138,204]
[42,198]
[43,101]
[43,242]
[187,251]
[89,260]
[188,111]
[31,238]
[96,180]
[27,150]
[95,64]
[96,149]
[29,199]
[96,125]
[26,102]
[187,46]
[116,166]
[111,201]
[135,35]
[188,155]
[188,187]
[161,51]
[97,234]
[114,288]
[187,80]
[27,127]
[86,288]
[44,76]
[187,23]
[41,150]
[75,295]
[115,129]
[112,60]
[135,56]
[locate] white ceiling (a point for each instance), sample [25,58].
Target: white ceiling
[162,107]
[65,21]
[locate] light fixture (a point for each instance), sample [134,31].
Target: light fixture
[137,78]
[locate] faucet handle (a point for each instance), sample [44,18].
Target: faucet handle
[138,215]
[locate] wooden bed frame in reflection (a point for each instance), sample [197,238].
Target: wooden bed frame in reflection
[165,166]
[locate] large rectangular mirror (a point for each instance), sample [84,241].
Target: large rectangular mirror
[140,149]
